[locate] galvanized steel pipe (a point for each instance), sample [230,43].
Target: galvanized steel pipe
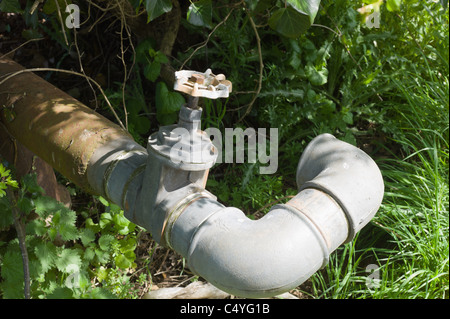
[340,190]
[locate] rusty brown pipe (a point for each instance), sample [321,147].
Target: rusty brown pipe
[58,128]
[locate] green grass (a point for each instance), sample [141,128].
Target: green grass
[409,237]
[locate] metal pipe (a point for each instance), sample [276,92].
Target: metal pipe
[340,189]
[55,126]
[272,255]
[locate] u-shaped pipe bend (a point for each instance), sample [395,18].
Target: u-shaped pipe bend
[341,188]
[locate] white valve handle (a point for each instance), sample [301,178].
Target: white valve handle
[199,84]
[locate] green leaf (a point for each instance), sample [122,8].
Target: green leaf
[61,293]
[102,256]
[103,201]
[160,57]
[29,181]
[36,227]
[200,13]
[128,246]
[87,236]
[101,293]
[46,253]
[50,6]
[296,18]
[92,226]
[6,218]
[25,205]
[257,6]
[11,6]
[89,254]
[12,266]
[122,262]
[289,22]
[142,49]
[64,223]
[393,5]
[155,8]
[306,7]
[102,273]
[123,225]
[67,260]
[105,220]
[348,118]
[152,70]
[167,104]
[105,241]
[316,77]
[46,205]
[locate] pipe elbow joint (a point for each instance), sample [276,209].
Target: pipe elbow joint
[347,174]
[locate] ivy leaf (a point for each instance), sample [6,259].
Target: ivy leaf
[155,8]
[306,7]
[289,22]
[200,13]
[258,6]
[152,70]
[167,104]
[296,18]
[160,57]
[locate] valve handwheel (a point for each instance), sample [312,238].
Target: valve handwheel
[198,84]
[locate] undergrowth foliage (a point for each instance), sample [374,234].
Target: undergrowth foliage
[63,255]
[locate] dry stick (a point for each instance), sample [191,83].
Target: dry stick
[15,49]
[261,66]
[207,39]
[81,64]
[62,23]
[21,235]
[69,72]
[126,75]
